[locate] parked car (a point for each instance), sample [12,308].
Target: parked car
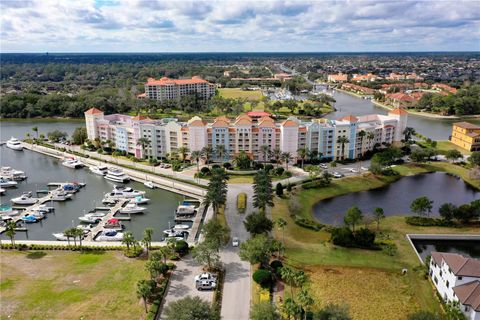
[363,169]
[323,166]
[206,285]
[353,170]
[206,276]
[337,174]
[235,242]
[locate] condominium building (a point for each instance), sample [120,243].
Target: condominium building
[466,135]
[167,89]
[248,134]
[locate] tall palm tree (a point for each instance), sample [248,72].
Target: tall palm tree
[302,153]
[196,156]
[147,238]
[207,154]
[77,232]
[282,223]
[305,300]
[10,230]
[128,239]
[343,140]
[183,151]
[220,152]
[144,143]
[370,137]
[35,129]
[362,135]
[314,154]
[265,150]
[145,290]
[277,155]
[68,233]
[408,133]
[286,157]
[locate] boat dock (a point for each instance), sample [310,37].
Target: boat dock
[110,215]
[29,210]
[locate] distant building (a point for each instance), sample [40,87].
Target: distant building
[444,88]
[167,89]
[457,278]
[466,135]
[248,133]
[358,89]
[403,100]
[365,77]
[340,77]
[283,76]
[403,76]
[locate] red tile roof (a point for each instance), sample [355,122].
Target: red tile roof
[350,118]
[469,294]
[255,114]
[398,111]
[460,265]
[93,111]
[466,125]
[167,81]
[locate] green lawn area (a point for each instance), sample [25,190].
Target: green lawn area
[234,93]
[70,285]
[370,282]
[444,146]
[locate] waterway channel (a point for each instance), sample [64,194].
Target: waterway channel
[395,198]
[42,169]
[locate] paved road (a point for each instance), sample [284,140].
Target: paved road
[182,283]
[237,285]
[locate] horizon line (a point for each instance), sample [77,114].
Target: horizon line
[231,52]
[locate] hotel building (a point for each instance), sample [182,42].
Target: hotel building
[167,89]
[466,135]
[248,133]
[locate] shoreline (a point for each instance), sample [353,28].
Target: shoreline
[47,119]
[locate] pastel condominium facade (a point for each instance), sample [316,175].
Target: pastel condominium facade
[248,134]
[457,279]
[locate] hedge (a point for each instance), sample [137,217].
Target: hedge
[425,221]
[308,223]
[263,277]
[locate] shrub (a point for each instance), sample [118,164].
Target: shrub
[308,223]
[134,251]
[181,247]
[344,237]
[227,165]
[279,171]
[279,189]
[215,166]
[263,277]
[425,221]
[276,265]
[205,170]
[268,167]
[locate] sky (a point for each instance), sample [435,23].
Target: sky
[238,26]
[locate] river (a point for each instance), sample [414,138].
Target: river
[42,169]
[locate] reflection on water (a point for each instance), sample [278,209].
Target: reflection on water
[469,248]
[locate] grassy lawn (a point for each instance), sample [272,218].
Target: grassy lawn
[234,93]
[70,285]
[444,146]
[370,282]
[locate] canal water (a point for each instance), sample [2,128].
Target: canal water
[43,169]
[395,199]
[469,248]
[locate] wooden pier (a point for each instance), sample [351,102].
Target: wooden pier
[110,215]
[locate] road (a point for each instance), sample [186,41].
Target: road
[237,285]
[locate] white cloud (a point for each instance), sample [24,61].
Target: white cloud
[221,25]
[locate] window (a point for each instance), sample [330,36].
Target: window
[448,284]
[459,278]
[435,279]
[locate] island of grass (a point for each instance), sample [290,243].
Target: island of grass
[235,93]
[369,281]
[70,285]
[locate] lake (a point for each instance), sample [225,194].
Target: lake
[395,198]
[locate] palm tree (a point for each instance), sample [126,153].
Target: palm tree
[220,152]
[207,154]
[147,238]
[265,150]
[183,151]
[408,133]
[144,143]
[281,223]
[68,233]
[302,153]
[35,129]
[362,135]
[277,155]
[305,300]
[343,140]
[286,157]
[370,137]
[77,232]
[128,239]
[196,156]
[314,154]
[10,230]
[145,290]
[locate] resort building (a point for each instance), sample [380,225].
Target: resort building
[403,100]
[365,77]
[466,135]
[340,77]
[167,89]
[457,278]
[248,133]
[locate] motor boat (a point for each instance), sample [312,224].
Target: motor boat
[45,208]
[29,219]
[12,174]
[25,198]
[89,219]
[14,144]
[109,201]
[72,163]
[71,188]
[6,183]
[2,191]
[100,170]
[96,214]
[61,196]
[109,235]
[114,224]
[122,194]
[139,200]
[62,237]
[185,210]
[181,227]
[175,233]
[117,175]
[86,228]
[6,210]
[132,208]
[128,191]
[149,184]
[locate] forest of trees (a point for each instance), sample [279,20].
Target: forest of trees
[465,101]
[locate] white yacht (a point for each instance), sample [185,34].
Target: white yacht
[139,200]
[2,191]
[149,184]
[5,183]
[37,214]
[181,227]
[25,198]
[100,170]
[117,175]
[62,237]
[132,208]
[73,163]
[89,219]
[61,196]
[124,192]
[109,235]
[12,174]
[14,144]
[6,210]
[183,210]
[175,233]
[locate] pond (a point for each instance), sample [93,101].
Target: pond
[469,248]
[395,199]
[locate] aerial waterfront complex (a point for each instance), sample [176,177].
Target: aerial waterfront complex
[248,133]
